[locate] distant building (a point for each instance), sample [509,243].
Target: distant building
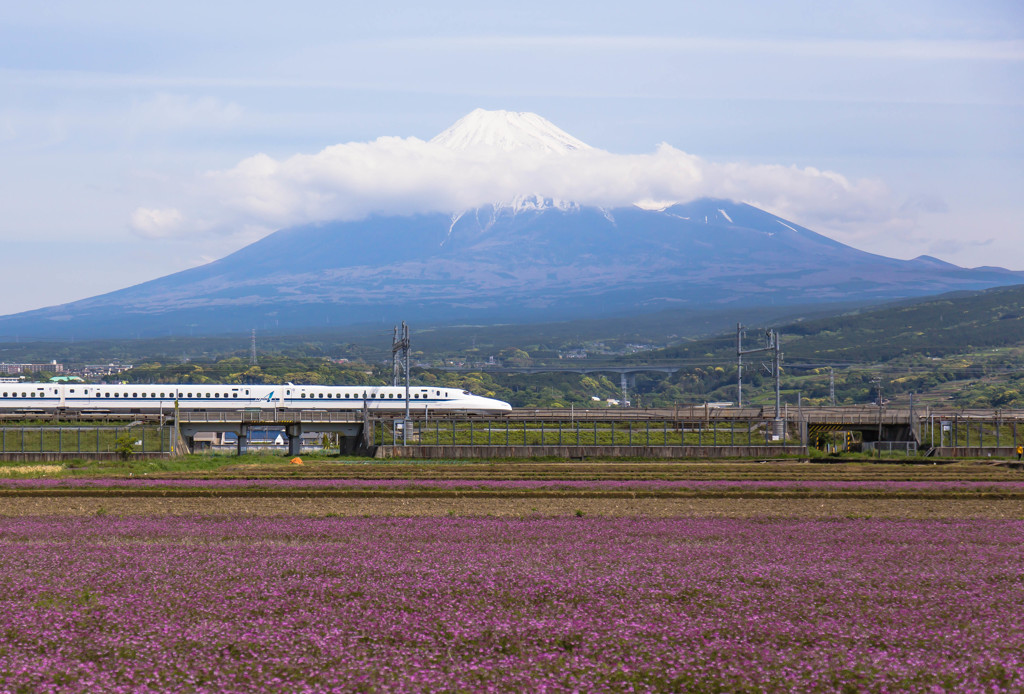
[573,354]
[104,369]
[52,367]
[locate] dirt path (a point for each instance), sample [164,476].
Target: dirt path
[313,506]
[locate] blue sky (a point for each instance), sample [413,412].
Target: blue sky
[112,109]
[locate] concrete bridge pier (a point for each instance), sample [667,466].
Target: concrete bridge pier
[348,445]
[294,432]
[887,432]
[349,430]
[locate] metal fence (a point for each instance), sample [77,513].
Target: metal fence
[908,447]
[973,432]
[71,439]
[505,432]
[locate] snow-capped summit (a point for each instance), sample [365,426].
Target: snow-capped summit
[508,131]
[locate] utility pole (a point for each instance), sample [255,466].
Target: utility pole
[878,384]
[773,341]
[772,345]
[400,362]
[739,365]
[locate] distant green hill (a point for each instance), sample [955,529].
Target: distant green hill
[964,349]
[948,324]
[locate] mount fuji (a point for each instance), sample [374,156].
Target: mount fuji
[531,258]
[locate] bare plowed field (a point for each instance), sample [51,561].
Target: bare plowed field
[313,505]
[598,470]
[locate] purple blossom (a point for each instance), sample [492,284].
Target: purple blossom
[487,604]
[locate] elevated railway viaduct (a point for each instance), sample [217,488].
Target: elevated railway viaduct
[681,431]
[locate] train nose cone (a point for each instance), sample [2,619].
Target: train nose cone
[499,405]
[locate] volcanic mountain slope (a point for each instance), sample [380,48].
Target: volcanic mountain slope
[528,259]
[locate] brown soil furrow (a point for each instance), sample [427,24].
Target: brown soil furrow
[516,507]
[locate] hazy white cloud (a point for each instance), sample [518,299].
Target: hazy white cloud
[156,223]
[174,111]
[405,176]
[874,49]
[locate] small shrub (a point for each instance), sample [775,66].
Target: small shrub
[124,446]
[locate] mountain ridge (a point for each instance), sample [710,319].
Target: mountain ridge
[530,258]
[500,264]
[508,131]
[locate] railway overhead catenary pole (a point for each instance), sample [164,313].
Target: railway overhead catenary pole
[772,345]
[400,362]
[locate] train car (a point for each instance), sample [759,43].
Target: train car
[143,398]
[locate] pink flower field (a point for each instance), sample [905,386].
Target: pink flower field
[223,604]
[513,484]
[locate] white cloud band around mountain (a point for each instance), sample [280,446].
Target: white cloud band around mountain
[405,176]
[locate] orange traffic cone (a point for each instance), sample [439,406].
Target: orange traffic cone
[296,461]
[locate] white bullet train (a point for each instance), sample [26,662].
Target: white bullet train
[144,398]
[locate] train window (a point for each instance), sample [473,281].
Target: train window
[161,395]
[438,392]
[321,395]
[346,396]
[108,395]
[189,395]
[246,392]
[303,395]
[416,395]
[287,392]
[234,395]
[116,395]
[33,395]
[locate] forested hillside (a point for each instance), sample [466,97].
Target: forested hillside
[960,349]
